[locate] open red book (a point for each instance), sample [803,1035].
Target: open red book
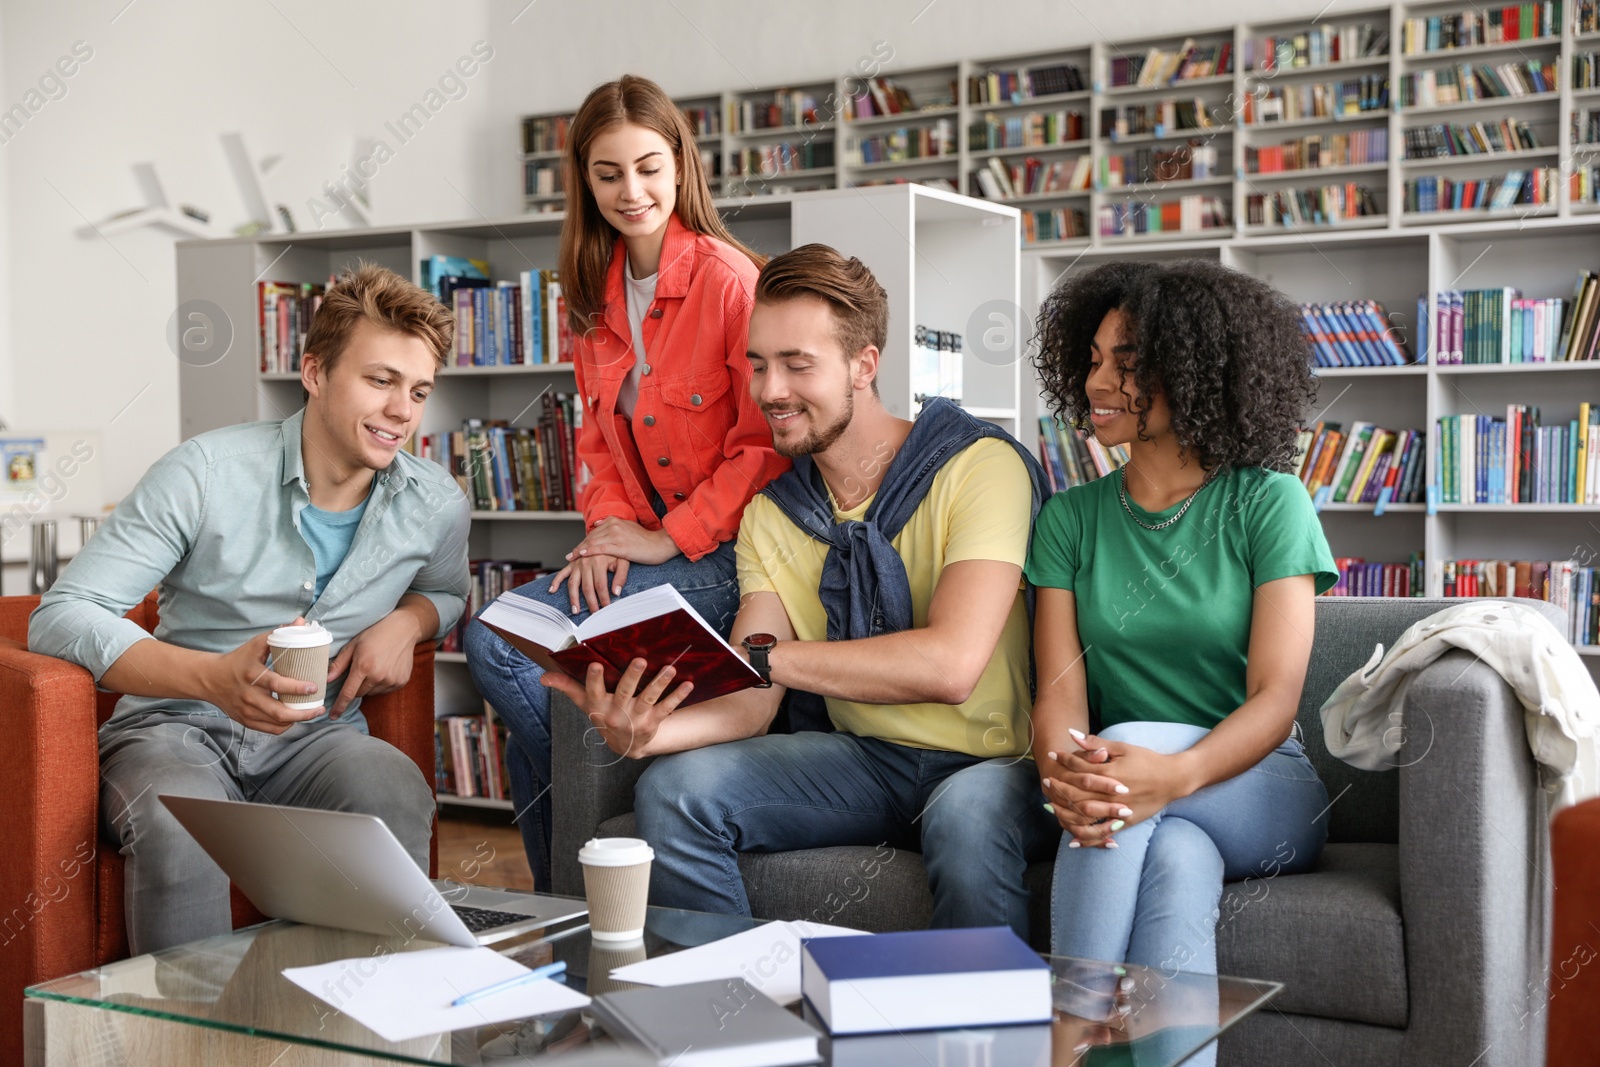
[656,624]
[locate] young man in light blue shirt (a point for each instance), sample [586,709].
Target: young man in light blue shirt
[321,516]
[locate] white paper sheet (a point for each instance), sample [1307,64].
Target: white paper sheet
[407,994]
[767,957]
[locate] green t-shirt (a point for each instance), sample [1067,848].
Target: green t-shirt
[1164,615]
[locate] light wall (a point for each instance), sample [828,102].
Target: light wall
[84,345]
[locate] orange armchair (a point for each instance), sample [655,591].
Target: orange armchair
[60,880]
[1575,937]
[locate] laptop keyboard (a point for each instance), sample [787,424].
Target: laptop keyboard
[480,919]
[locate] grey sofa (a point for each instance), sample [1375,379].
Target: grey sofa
[1420,938]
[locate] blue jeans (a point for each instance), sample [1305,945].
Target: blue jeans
[1153,899]
[509,681]
[977,822]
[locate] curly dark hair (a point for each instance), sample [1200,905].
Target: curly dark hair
[1225,349]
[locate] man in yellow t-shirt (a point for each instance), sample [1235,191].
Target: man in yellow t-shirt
[930,710]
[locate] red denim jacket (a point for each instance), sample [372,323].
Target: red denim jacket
[696,437]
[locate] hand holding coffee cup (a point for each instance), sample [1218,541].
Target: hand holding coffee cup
[245,687]
[300,652]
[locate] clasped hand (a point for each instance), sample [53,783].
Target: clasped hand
[608,550]
[1105,786]
[628,718]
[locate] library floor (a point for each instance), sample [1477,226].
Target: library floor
[483,849]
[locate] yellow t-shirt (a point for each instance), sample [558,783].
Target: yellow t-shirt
[977,508]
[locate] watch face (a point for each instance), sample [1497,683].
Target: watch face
[760,641]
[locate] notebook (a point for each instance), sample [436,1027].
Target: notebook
[722,1023]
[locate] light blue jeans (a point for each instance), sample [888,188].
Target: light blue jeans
[509,681]
[978,823]
[1153,899]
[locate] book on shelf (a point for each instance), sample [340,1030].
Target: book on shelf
[1037,129]
[1470,139]
[1187,214]
[1352,97]
[1357,577]
[655,624]
[1429,193]
[1585,126]
[283,316]
[1584,186]
[1518,459]
[487,579]
[1192,161]
[1475,26]
[1323,205]
[1500,326]
[1365,465]
[1354,333]
[1000,179]
[933,141]
[504,324]
[542,179]
[704,121]
[1054,224]
[1463,82]
[1319,46]
[1345,149]
[883,96]
[783,158]
[517,468]
[1586,70]
[470,756]
[1160,67]
[1071,456]
[546,133]
[1020,84]
[1566,583]
[787,107]
[1160,118]
[1588,20]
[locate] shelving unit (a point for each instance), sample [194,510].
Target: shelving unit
[943,258]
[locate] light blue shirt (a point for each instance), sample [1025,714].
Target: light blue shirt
[216,525]
[330,533]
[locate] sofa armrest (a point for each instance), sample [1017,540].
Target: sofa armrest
[589,784]
[404,718]
[50,794]
[1474,870]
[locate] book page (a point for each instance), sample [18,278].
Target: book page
[533,620]
[637,607]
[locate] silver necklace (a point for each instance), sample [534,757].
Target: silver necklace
[1122,491]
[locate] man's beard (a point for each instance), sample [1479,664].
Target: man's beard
[820,439]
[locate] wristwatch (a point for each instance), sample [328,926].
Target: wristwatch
[758,645]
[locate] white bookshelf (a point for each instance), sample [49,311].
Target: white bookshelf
[941,257]
[1549,113]
[1540,256]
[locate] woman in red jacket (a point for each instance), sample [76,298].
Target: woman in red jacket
[658,296]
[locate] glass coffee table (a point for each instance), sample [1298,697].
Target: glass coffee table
[225,1000]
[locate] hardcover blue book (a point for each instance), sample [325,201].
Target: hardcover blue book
[925,980]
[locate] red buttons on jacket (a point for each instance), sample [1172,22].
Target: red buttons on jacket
[645,369]
[695,400]
[664,462]
[677,496]
[655,313]
[649,420]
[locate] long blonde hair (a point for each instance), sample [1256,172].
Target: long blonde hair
[586,237]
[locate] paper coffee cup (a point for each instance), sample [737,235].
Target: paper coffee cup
[616,882]
[301,652]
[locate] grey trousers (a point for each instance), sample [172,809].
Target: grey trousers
[174,892]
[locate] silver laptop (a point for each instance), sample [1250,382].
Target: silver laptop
[341,869]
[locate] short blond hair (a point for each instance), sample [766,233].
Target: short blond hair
[370,293]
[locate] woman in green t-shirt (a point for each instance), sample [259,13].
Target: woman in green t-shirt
[1175,608]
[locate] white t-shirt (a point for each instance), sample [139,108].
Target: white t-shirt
[641,292]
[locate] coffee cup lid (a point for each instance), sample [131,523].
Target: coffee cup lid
[615,852]
[310,635]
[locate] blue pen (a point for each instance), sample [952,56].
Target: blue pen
[547,971]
